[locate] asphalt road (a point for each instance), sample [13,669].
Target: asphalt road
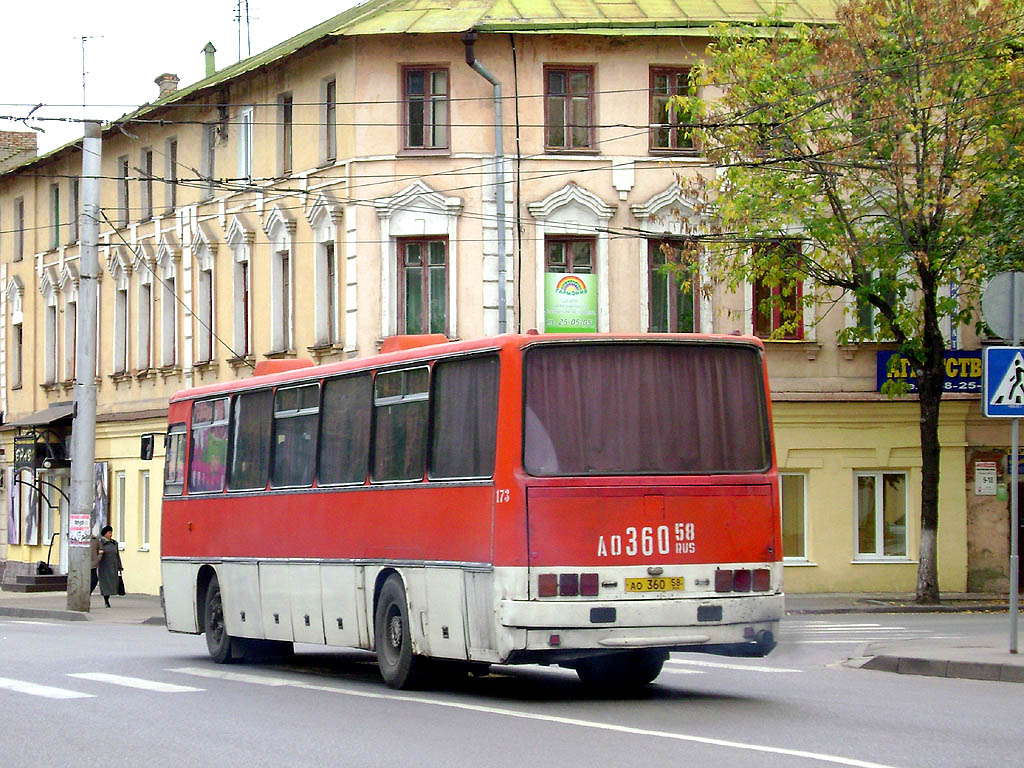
[91,694]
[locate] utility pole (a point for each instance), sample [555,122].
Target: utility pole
[83,430]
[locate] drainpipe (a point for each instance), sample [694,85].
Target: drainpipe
[468,39]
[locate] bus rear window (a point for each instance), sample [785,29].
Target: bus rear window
[644,409]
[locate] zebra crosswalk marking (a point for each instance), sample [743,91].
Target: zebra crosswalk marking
[46,691]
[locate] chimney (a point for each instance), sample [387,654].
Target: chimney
[168,83]
[209,50]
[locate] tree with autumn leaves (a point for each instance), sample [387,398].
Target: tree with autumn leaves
[885,152]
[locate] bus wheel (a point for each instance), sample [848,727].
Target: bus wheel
[218,641]
[398,666]
[631,669]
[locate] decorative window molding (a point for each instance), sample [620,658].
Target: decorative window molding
[145,267]
[325,220]
[119,264]
[48,287]
[280,230]
[572,210]
[416,211]
[68,284]
[168,256]
[15,357]
[671,212]
[204,251]
[240,238]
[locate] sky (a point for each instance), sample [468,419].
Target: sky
[125,49]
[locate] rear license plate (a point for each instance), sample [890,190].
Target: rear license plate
[674,584]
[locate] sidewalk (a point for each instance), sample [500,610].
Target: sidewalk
[984,657]
[978,658]
[130,609]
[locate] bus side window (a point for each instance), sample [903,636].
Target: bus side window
[400,416]
[208,462]
[464,418]
[251,423]
[174,462]
[345,430]
[294,442]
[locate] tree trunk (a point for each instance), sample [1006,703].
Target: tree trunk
[931,378]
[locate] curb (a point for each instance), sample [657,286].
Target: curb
[43,613]
[901,608]
[970,670]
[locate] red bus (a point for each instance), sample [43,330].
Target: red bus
[592,501]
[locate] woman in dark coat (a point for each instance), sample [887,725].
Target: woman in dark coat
[110,564]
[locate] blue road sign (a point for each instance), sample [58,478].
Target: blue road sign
[1004,382]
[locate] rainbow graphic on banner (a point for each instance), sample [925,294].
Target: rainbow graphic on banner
[570,285]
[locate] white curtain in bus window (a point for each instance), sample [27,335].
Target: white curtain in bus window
[660,409]
[400,424]
[250,441]
[174,460]
[294,452]
[345,430]
[209,445]
[464,421]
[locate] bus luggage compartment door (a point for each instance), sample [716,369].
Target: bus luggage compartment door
[609,529]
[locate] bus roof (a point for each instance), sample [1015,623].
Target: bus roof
[298,370]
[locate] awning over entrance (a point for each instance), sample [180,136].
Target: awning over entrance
[45,417]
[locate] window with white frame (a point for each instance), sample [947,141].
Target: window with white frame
[122,309]
[208,162]
[280,231]
[146,183]
[171,174]
[73,210]
[50,335]
[204,311]
[329,142]
[15,354]
[245,124]
[777,303]
[123,197]
[19,229]
[144,334]
[167,269]
[54,216]
[70,335]
[120,484]
[144,510]
[793,489]
[881,509]
[240,241]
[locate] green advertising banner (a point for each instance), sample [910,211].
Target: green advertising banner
[570,303]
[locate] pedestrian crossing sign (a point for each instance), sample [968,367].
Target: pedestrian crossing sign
[1004,382]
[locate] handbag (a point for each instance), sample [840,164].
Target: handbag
[120,586]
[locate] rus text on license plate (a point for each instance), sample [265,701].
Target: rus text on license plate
[659,584]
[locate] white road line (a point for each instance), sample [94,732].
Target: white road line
[667,671]
[723,665]
[764,749]
[20,686]
[37,623]
[134,682]
[833,630]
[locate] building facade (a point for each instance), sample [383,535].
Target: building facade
[340,188]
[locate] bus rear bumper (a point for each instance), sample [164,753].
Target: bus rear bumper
[733,626]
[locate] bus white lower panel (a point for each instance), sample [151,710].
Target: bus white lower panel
[179,591]
[563,614]
[240,596]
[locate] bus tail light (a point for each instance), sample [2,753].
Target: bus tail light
[588,584]
[723,580]
[762,580]
[741,580]
[569,584]
[547,585]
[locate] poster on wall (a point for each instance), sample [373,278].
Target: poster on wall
[13,508]
[570,303]
[29,509]
[78,530]
[100,503]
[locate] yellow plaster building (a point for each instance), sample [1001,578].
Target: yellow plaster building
[339,189]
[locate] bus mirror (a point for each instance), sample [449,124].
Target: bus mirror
[146,448]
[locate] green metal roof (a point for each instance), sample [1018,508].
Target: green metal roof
[591,17]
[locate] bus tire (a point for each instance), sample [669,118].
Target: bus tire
[218,641]
[399,667]
[631,669]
